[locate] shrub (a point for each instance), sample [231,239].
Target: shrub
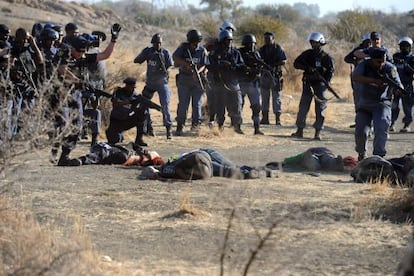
[257,25]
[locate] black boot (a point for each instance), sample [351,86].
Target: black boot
[278,123]
[140,142]
[168,132]
[298,133]
[179,130]
[257,130]
[237,129]
[64,159]
[265,118]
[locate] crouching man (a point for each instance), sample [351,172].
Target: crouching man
[128,110]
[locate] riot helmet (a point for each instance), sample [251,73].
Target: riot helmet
[405,40]
[194,36]
[228,26]
[156,38]
[318,37]
[248,39]
[405,44]
[365,37]
[225,34]
[49,34]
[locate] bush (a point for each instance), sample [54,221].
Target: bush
[352,24]
[257,25]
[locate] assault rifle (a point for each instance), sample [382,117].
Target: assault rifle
[140,102]
[393,84]
[160,59]
[409,67]
[319,76]
[195,72]
[90,91]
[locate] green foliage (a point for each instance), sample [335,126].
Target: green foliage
[224,8]
[307,10]
[350,25]
[208,26]
[163,18]
[257,25]
[283,12]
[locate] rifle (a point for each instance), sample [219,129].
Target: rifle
[319,75]
[393,84]
[97,92]
[164,69]
[140,101]
[88,92]
[195,71]
[409,67]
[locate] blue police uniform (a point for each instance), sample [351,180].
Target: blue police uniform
[249,83]
[374,106]
[125,117]
[226,63]
[271,81]
[313,86]
[406,76]
[188,86]
[158,63]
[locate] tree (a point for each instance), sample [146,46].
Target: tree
[350,25]
[223,7]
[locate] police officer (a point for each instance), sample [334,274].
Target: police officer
[72,67]
[191,58]
[404,61]
[126,114]
[374,103]
[249,79]
[316,64]
[351,59]
[225,65]
[271,80]
[158,63]
[376,42]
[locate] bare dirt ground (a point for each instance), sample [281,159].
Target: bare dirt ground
[323,224]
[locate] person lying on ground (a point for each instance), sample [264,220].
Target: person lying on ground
[314,159]
[201,163]
[103,153]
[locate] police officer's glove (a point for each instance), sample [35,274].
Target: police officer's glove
[116,28]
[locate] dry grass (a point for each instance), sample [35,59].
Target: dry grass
[30,245]
[32,248]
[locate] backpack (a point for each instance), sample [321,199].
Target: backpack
[373,169]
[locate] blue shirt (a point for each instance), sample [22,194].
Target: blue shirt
[158,62]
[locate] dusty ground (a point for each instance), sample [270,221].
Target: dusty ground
[324,224]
